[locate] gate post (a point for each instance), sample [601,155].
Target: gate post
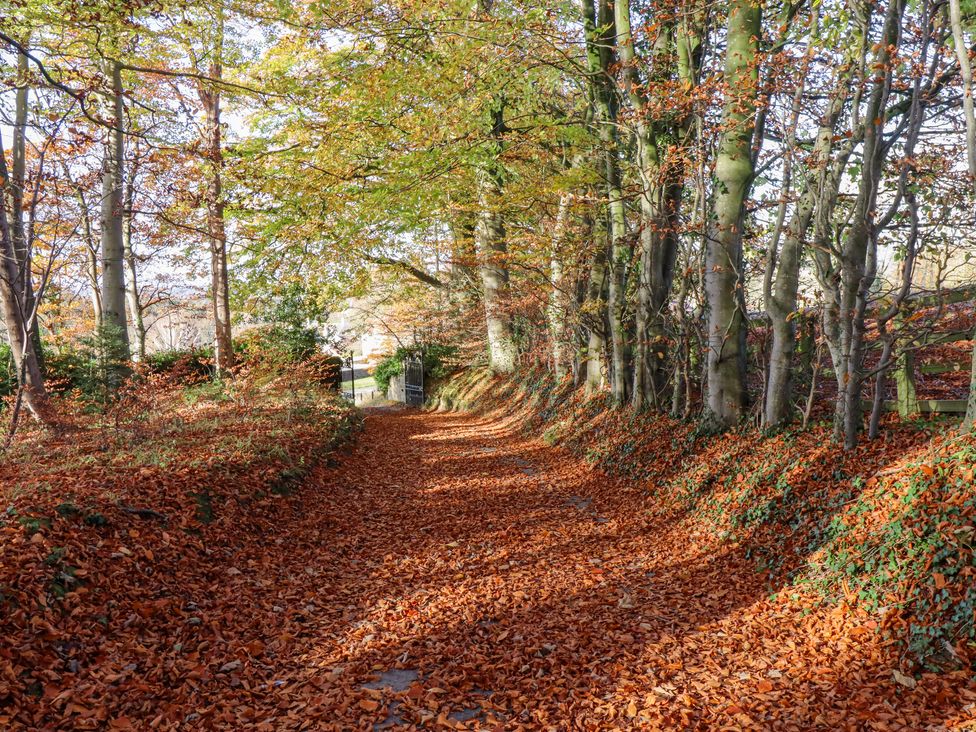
[905,382]
[352,376]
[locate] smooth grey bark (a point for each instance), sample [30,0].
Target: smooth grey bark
[489,236]
[91,250]
[859,249]
[681,357]
[651,233]
[675,55]
[780,291]
[723,251]
[621,252]
[783,266]
[906,192]
[966,73]
[132,281]
[112,244]
[970,418]
[598,27]
[556,310]
[209,94]
[594,309]
[15,198]
[29,375]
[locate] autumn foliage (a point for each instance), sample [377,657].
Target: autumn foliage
[130,522]
[884,530]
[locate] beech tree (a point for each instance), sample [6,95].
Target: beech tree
[966,76]
[724,276]
[648,197]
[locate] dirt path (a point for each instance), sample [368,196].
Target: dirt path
[448,573]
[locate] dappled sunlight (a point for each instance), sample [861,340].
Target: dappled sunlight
[502,595]
[448,572]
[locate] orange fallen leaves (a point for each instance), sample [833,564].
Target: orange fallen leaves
[424,580]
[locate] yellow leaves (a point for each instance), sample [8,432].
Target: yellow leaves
[908,682]
[665,691]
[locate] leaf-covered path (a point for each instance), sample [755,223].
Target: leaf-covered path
[448,573]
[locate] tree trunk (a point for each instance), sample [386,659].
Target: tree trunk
[29,375]
[556,310]
[91,256]
[217,233]
[620,254]
[132,281]
[859,250]
[966,72]
[113,248]
[652,226]
[723,251]
[492,255]
[683,346]
[22,247]
[595,309]
[970,419]
[600,34]
[675,55]
[781,301]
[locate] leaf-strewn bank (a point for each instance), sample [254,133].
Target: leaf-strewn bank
[109,531]
[886,529]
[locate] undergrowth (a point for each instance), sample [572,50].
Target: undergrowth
[104,525]
[889,526]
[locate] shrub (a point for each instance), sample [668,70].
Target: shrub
[95,368]
[386,369]
[437,363]
[279,344]
[325,370]
[198,361]
[8,374]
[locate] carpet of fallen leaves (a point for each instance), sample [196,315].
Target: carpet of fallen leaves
[448,571]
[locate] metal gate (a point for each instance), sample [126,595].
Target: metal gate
[413,379]
[348,378]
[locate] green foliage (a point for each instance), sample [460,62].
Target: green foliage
[438,358]
[198,361]
[279,345]
[294,306]
[33,524]
[294,317]
[95,369]
[204,505]
[96,519]
[206,391]
[386,369]
[8,374]
[920,560]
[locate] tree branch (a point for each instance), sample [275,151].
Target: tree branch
[408,268]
